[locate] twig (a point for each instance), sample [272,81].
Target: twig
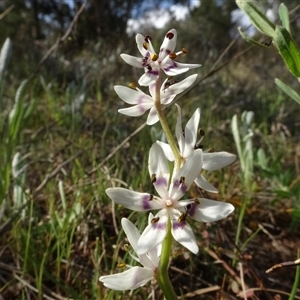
[7,225]
[7,11]
[58,42]
[284,264]
[270,290]
[27,284]
[53,173]
[242,280]
[116,149]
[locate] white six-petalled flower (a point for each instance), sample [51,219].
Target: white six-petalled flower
[153,63]
[170,208]
[142,102]
[136,276]
[187,142]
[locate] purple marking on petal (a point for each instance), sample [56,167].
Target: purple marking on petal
[145,202]
[192,209]
[183,188]
[160,226]
[176,183]
[153,72]
[173,66]
[161,181]
[168,51]
[177,225]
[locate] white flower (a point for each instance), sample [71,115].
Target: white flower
[170,207]
[136,276]
[143,102]
[187,141]
[153,63]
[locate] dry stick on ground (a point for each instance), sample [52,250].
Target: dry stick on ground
[49,176]
[284,264]
[7,11]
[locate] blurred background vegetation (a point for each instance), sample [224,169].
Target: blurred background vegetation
[68,233]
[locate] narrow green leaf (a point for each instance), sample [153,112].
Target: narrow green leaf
[4,56]
[288,90]
[288,50]
[250,40]
[258,18]
[284,16]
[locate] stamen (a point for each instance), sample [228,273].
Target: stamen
[196,200]
[121,265]
[145,45]
[132,85]
[211,150]
[182,217]
[198,146]
[153,178]
[182,180]
[151,197]
[170,35]
[126,247]
[184,51]
[154,220]
[172,55]
[201,132]
[154,56]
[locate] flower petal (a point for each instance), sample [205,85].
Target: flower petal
[217,160]
[133,200]
[204,184]
[159,170]
[179,87]
[185,176]
[169,44]
[135,111]
[128,280]
[133,60]
[183,234]
[209,210]
[139,38]
[179,131]
[131,96]
[167,150]
[190,133]
[131,232]
[149,77]
[154,233]
[173,68]
[152,116]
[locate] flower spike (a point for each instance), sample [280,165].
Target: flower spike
[153,63]
[171,208]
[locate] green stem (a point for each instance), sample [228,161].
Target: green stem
[296,281]
[163,277]
[165,127]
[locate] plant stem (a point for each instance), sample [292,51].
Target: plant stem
[163,277]
[165,127]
